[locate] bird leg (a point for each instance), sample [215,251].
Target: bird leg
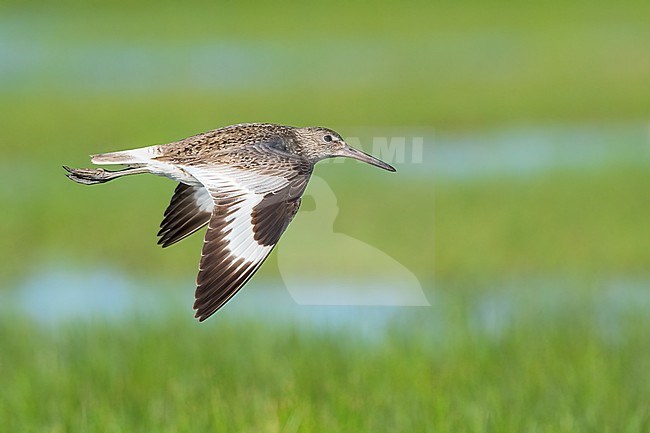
[92,176]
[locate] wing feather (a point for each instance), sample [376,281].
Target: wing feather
[190,209]
[252,208]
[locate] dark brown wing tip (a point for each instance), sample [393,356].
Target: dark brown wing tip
[163,244]
[163,237]
[202,316]
[165,241]
[201,313]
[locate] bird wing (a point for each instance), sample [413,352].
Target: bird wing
[256,193]
[189,209]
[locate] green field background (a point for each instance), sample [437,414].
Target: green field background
[78,78]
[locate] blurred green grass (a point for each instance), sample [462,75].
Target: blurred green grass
[444,63]
[172,377]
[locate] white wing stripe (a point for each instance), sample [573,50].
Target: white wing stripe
[240,239]
[203,199]
[235,183]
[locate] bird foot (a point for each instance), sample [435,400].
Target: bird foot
[88,176]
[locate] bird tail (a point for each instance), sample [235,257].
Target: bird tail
[126,157]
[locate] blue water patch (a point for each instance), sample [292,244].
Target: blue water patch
[520,151]
[58,295]
[32,60]
[126,68]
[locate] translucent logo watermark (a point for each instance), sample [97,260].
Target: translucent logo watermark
[390,149]
[322,267]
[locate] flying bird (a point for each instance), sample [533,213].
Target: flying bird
[243,181]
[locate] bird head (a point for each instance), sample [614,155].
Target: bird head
[317,143]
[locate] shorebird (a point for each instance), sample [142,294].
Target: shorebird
[243,181]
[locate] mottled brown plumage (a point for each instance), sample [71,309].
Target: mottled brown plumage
[244,181]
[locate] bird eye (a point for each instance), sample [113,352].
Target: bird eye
[327,138]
